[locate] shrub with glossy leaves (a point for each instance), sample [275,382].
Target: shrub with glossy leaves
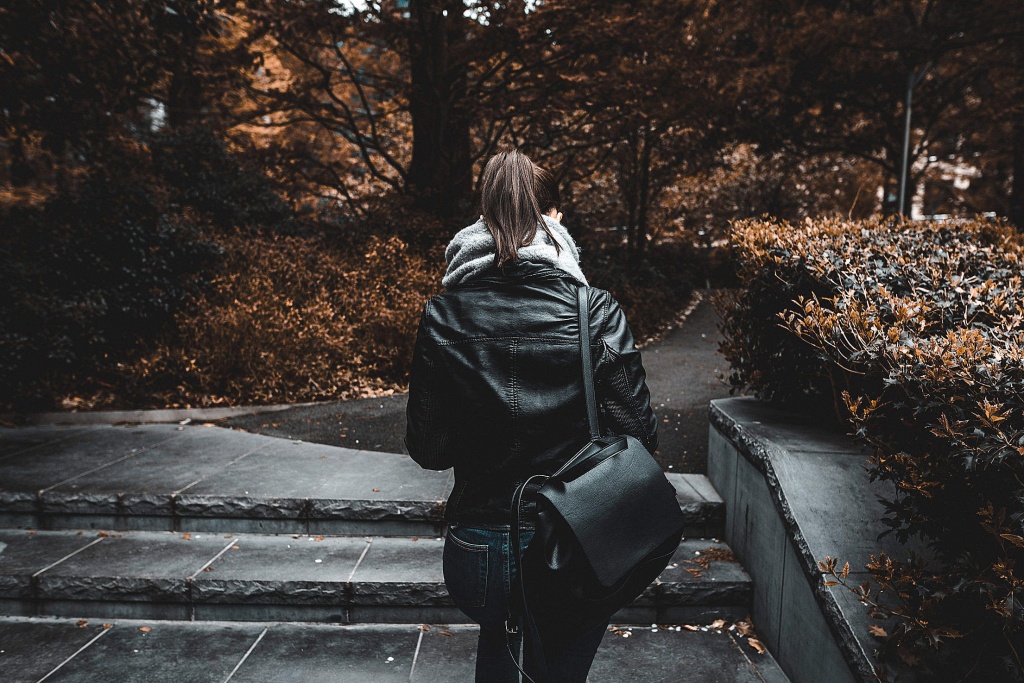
[918,330]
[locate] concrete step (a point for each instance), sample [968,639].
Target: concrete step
[60,650]
[199,576]
[209,479]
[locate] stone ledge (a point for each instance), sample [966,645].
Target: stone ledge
[200,478]
[160,575]
[58,509]
[795,492]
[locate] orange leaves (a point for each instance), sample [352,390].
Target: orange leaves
[757,645]
[295,318]
[917,332]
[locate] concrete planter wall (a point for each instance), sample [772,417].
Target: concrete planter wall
[794,494]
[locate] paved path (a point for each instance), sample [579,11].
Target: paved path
[189,526]
[126,651]
[683,371]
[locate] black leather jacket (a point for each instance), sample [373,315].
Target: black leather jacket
[496,392]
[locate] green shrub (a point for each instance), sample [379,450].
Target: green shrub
[919,329]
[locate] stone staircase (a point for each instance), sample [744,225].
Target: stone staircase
[182,526]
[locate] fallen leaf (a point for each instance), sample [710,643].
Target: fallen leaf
[877,630]
[186,537]
[207,569]
[446,633]
[1013,538]
[691,627]
[757,645]
[744,628]
[107,625]
[718,623]
[81,623]
[376,490]
[319,538]
[234,547]
[145,629]
[424,627]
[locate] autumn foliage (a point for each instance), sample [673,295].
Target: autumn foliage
[291,319]
[915,335]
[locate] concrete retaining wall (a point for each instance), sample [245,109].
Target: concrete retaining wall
[794,494]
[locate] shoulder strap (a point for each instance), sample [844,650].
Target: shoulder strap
[583,306]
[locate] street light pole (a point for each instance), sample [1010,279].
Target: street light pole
[912,80]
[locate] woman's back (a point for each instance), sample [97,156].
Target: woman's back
[497,388]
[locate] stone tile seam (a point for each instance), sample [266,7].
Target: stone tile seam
[782,597]
[174,494]
[54,442]
[247,653]
[234,539]
[348,581]
[77,652]
[746,658]
[688,477]
[127,456]
[693,489]
[745,444]
[415,654]
[66,557]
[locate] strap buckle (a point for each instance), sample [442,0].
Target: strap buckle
[510,628]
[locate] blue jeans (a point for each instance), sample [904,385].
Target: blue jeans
[479,571]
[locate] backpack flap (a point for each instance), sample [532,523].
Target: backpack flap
[619,510]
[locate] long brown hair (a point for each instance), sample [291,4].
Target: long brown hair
[508,202]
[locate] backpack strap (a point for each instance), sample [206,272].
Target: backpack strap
[583,308]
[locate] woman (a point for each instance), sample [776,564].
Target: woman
[495,392]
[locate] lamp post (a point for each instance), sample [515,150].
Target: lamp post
[913,79]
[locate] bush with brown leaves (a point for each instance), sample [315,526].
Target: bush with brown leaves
[292,318]
[917,331]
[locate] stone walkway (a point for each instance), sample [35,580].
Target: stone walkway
[127,651]
[683,371]
[219,537]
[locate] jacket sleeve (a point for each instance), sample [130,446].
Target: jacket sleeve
[428,414]
[622,392]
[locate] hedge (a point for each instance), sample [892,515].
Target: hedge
[915,335]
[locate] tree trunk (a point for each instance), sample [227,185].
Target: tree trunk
[185,91]
[638,195]
[645,196]
[440,175]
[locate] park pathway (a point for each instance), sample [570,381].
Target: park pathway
[683,369]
